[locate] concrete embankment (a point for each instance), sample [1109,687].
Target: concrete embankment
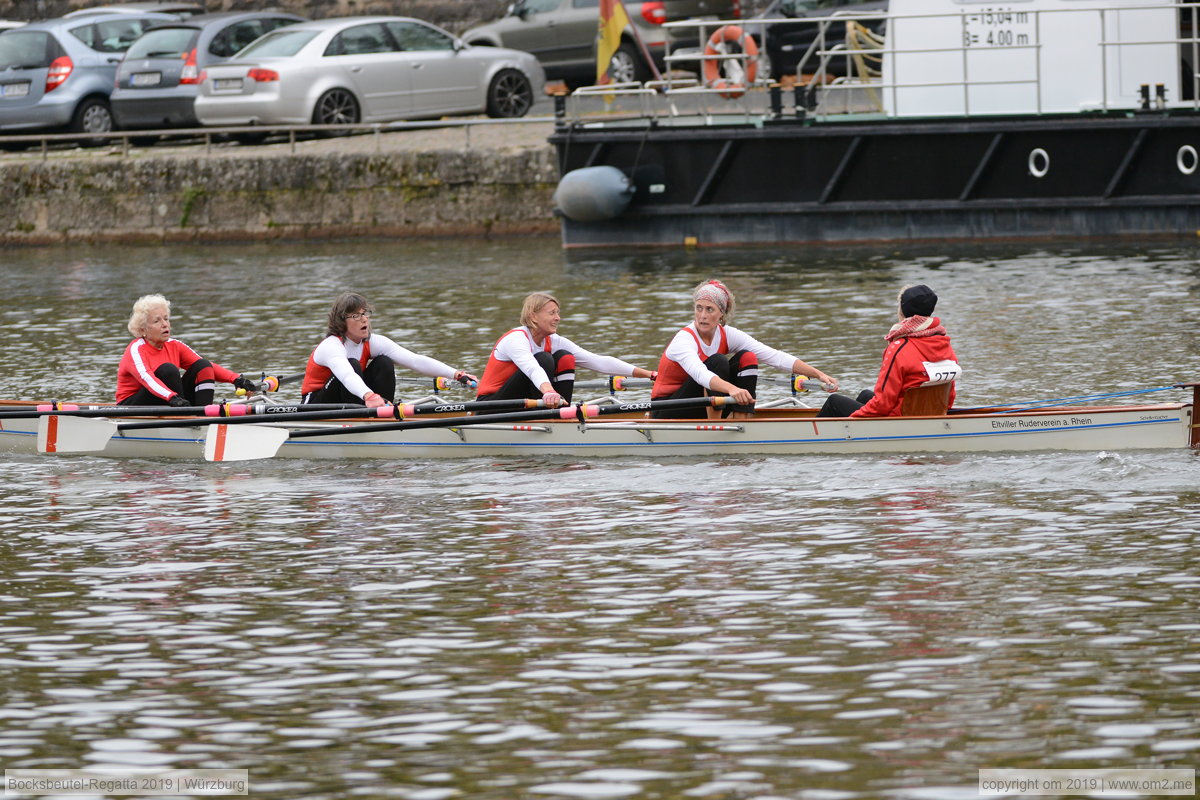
[416,183]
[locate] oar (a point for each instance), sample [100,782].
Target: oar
[77,431]
[798,383]
[76,435]
[248,442]
[212,410]
[439,384]
[271,383]
[617,383]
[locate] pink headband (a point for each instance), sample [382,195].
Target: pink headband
[715,292]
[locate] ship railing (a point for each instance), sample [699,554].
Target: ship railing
[863,90]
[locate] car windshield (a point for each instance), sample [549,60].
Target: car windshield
[278,44]
[24,50]
[164,43]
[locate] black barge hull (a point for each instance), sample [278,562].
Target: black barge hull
[802,181]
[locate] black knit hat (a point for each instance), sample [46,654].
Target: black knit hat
[917,300]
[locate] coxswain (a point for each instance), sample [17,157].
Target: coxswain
[918,353]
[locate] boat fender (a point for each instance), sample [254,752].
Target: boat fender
[717,46]
[592,194]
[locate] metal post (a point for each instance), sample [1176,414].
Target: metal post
[560,111]
[966,80]
[1103,62]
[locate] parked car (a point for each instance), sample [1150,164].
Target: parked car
[365,69]
[175,9]
[562,34]
[59,73]
[159,78]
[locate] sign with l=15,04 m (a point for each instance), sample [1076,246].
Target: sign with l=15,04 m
[998,27]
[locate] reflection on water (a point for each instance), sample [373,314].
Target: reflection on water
[754,628]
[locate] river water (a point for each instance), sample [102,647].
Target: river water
[820,628]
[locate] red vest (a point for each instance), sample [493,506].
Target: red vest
[316,375]
[671,376]
[497,372]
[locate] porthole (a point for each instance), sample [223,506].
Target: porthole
[1187,160]
[1039,162]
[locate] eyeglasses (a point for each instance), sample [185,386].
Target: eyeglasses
[359,315]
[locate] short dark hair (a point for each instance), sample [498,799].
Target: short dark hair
[343,306]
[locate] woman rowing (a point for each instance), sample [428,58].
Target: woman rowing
[918,353]
[710,357]
[353,365]
[151,367]
[533,361]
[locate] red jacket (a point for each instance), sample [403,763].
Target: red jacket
[141,358]
[903,368]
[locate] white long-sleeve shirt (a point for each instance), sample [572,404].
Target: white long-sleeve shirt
[682,350]
[335,355]
[517,346]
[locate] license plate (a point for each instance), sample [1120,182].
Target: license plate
[146,79]
[225,84]
[14,89]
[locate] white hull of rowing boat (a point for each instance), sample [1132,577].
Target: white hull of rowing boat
[1075,428]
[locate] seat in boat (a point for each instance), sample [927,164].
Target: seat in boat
[926,401]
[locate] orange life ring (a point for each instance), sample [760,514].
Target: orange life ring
[716,46]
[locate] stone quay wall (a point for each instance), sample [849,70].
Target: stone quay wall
[265,195]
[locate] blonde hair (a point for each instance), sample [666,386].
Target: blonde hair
[141,311]
[535,303]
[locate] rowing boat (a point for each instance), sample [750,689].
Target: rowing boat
[628,431]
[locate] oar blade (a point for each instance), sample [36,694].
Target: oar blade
[242,442]
[59,434]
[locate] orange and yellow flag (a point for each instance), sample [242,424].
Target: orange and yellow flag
[613,21]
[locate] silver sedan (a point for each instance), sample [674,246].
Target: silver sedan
[365,69]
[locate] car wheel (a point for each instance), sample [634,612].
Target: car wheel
[92,116]
[627,66]
[509,95]
[336,107]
